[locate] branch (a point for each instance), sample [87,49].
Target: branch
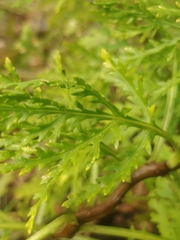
[146,171]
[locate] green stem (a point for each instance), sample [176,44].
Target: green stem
[90,114]
[171,96]
[120,232]
[40,213]
[14,226]
[157,130]
[53,226]
[94,172]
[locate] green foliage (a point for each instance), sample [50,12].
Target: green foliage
[83,127]
[164,197]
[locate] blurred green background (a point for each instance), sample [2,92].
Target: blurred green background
[31,33]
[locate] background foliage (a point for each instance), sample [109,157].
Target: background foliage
[90,94]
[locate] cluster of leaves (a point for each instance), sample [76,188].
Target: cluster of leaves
[80,138]
[162,198]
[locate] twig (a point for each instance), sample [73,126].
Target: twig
[146,171]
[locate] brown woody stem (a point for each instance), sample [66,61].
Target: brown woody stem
[146,171]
